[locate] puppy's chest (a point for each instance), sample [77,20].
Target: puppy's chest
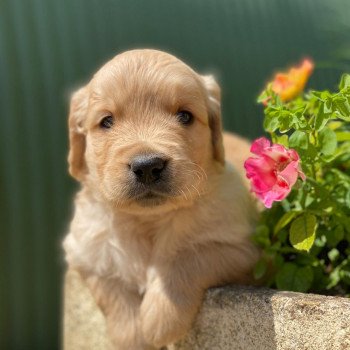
[124,256]
[105,255]
[132,257]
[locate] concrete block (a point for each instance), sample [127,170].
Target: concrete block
[247,318]
[83,323]
[232,318]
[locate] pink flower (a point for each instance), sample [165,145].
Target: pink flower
[273,172]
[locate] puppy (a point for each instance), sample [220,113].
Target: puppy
[160,216]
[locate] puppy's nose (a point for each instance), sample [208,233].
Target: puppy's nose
[148,168]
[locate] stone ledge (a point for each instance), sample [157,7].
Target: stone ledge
[83,322]
[232,318]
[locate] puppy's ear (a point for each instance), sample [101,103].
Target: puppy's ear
[214,111]
[77,114]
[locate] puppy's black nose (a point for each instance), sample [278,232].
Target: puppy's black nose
[147,168]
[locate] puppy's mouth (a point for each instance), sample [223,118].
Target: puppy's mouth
[150,199]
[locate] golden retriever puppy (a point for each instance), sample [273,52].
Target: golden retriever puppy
[160,216]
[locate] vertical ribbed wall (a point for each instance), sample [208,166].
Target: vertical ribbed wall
[49,47]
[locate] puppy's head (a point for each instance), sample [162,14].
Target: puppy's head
[145,132]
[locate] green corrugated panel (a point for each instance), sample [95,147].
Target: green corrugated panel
[48,47]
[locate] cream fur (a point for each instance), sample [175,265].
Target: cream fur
[149,266]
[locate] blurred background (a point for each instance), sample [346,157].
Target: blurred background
[49,47]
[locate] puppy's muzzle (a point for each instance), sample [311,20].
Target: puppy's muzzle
[148,169]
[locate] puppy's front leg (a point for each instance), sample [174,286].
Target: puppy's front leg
[121,308]
[176,289]
[168,307]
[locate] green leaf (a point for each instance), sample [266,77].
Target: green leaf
[271,123]
[262,230]
[341,107]
[335,235]
[320,241]
[278,260]
[292,277]
[316,94]
[333,254]
[321,119]
[347,199]
[334,125]
[328,141]
[284,221]
[320,280]
[345,221]
[305,260]
[298,140]
[345,276]
[261,236]
[260,269]
[311,151]
[334,278]
[321,95]
[344,82]
[343,117]
[302,232]
[283,140]
[285,121]
[343,136]
[327,107]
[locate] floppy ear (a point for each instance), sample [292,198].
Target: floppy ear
[214,111]
[77,114]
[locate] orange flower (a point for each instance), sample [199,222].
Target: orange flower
[289,85]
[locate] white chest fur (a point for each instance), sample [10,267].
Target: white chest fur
[103,245]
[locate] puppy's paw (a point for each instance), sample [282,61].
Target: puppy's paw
[162,321]
[160,328]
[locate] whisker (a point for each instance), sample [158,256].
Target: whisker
[196,189]
[184,194]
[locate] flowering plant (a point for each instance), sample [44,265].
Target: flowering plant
[303,176]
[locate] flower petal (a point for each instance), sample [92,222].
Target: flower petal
[288,85]
[259,145]
[261,171]
[290,173]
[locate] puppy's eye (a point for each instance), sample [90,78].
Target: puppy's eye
[184,117]
[107,122]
